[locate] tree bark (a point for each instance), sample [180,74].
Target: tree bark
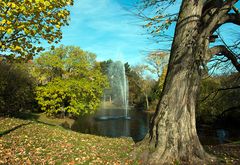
[173,137]
[147,102]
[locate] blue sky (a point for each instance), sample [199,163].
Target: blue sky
[107,29]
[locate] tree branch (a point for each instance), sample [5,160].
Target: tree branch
[223,51]
[228,18]
[219,16]
[219,90]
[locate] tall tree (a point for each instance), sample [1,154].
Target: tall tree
[25,24]
[145,82]
[173,136]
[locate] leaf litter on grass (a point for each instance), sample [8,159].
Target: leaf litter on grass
[37,143]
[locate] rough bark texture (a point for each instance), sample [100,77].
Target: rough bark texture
[173,137]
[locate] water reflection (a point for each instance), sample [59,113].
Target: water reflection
[222,135]
[137,127]
[214,136]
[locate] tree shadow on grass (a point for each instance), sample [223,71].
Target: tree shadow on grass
[26,116]
[36,118]
[13,129]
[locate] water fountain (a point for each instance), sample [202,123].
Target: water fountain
[118,92]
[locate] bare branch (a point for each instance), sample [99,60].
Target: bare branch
[219,90]
[221,50]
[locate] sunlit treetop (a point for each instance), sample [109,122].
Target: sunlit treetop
[26,24]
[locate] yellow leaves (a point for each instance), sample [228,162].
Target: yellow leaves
[20,27]
[3,21]
[42,18]
[9,31]
[9,13]
[9,22]
[14,5]
[22,8]
[26,31]
[11,5]
[3,47]
[149,24]
[18,48]
[60,14]
[58,26]
[46,3]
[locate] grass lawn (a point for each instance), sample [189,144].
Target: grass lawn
[41,142]
[30,142]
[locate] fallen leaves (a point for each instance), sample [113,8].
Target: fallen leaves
[43,144]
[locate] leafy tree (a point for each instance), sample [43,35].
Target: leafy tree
[206,111]
[105,66]
[25,24]
[16,88]
[145,83]
[76,83]
[157,64]
[173,136]
[218,94]
[157,61]
[71,96]
[158,87]
[134,89]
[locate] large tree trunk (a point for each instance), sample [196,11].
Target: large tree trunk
[172,136]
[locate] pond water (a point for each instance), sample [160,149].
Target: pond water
[116,125]
[112,123]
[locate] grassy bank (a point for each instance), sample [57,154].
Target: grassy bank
[41,142]
[29,142]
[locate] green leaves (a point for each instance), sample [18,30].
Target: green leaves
[16,88]
[31,22]
[76,82]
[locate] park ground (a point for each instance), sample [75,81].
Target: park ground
[44,141]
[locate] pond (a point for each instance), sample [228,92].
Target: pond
[116,126]
[112,123]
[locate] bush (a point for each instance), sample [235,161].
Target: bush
[16,88]
[69,96]
[217,95]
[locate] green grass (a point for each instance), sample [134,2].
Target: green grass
[236,142]
[43,118]
[41,140]
[30,142]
